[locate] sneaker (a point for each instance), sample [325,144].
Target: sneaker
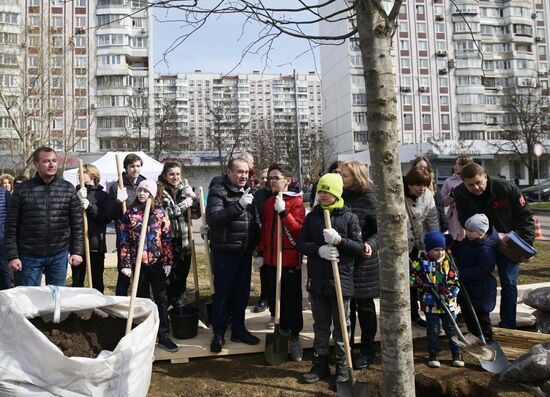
[419,322]
[433,361]
[320,369]
[245,337]
[271,323]
[342,373]
[260,307]
[217,342]
[363,361]
[296,350]
[167,344]
[458,361]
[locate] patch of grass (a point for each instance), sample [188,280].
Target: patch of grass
[536,271]
[540,205]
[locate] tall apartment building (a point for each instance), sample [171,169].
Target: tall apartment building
[74,75]
[454,62]
[253,104]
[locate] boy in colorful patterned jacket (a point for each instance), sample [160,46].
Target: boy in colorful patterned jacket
[433,266]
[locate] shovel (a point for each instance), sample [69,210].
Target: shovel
[499,361]
[207,251]
[120,180]
[485,353]
[276,344]
[86,239]
[137,270]
[200,304]
[350,387]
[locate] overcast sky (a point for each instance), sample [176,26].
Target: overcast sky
[217,48]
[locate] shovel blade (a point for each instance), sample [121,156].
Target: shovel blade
[276,348]
[476,347]
[499,364]
[351,388]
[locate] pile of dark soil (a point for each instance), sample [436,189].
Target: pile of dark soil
[76,337]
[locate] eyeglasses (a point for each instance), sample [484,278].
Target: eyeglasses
[275,178]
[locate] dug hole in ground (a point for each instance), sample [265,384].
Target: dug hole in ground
[70,342]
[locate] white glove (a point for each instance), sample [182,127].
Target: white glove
[246,199]
[85,202]
[128,272]
[82,193]
[258,263]
[329,252]
[121,195]
[188,191]
[167,270]
[188,202]
[331,236]
[279,204]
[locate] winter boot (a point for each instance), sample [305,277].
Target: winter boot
[342,374]
[320,368]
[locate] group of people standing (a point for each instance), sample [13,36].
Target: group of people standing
[43,231]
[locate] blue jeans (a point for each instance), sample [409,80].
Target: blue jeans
[433,322]
[508,272]
[54,268]
[5,281]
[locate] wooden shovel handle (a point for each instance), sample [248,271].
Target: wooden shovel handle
[120,180]
[85,220]
[339,299]
[279,268]
[206,242]
[192,245]
[137,270]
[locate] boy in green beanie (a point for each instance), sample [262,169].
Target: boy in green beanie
[342,243]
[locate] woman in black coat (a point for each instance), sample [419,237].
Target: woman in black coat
[99,211]
[360,197]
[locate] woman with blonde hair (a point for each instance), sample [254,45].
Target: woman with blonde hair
[358,194]
[7,182]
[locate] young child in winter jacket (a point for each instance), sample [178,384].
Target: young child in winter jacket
[287,208]
[157,254]
[433,268]
[342,243]
[475,266]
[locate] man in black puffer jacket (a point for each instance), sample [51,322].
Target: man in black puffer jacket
[44,225]
[233,231]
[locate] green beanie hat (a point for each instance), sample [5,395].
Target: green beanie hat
[331,183]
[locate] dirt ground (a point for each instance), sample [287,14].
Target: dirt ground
[250,376]
[83,338]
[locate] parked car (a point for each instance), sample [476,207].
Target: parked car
[531,193]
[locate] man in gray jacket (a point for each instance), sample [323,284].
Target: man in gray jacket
[44,227]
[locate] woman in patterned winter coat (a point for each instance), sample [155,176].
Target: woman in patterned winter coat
[176,200]
[157,254]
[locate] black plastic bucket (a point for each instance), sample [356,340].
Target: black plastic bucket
[184,321]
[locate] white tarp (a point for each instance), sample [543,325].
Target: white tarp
[31,365]
[151,168]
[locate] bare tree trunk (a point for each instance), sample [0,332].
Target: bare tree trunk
[375,35]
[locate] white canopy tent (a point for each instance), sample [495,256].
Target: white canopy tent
[151,168]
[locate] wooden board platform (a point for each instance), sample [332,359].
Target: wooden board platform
[257,324]
[514,343]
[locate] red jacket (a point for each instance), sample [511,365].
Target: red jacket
[292,219]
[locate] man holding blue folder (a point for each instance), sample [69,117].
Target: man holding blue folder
[507,210]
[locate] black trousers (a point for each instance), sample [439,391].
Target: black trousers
[263,283]
[291,297]
[483,317]
[366,313]
[97,261]
[177,279]
[232,285]
[152,277]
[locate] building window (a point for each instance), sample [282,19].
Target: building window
[421,27]
[404,45]
[426,119]
[423,63]
[443,82]
[361,136]
[422,45]
[57,21]
[444,100]
[407,99]
[406,63]
[80,22]
[407,118]
[420,9]
[445,119]
[425,100]
[359,99]
[360,117]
